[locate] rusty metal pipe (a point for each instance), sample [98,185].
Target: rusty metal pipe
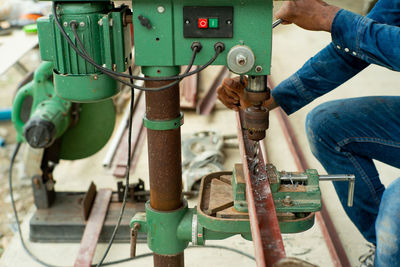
[164,155]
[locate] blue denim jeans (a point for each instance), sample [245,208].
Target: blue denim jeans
[345,136]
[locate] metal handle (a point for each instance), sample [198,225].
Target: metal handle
[342,177]
[276,23]
[335,177]
[134,234]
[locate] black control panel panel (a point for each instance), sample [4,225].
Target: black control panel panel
[207,22]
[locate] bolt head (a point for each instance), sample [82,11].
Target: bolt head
[259,69]
[241,60]
[82,24]
[160,9]
[65,24]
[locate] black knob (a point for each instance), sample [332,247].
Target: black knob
[145,22]
[40,133]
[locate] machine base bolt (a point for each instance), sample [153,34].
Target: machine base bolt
[287,201]
[161,9]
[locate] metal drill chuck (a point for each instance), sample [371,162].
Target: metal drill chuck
[257,122]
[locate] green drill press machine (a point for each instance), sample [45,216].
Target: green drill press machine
[66,110]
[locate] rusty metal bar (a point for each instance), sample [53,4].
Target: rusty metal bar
[207,103]
[267,238]
[164,154]
[93,228]
[333,242]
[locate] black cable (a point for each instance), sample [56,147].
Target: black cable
[13,157]
[107,72]
[113,74]
[128,168]
[195,51]
[190,247]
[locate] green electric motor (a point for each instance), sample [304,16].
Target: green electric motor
[105,35]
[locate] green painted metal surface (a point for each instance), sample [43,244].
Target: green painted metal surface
[160,71]
[161,228]
[304,197]
[239,193]
[104,35]
[95,122]
[46,105]
[91,133]
[164,44]
[298,225]
[163,125]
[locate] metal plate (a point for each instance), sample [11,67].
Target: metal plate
[64,222]
[91,133]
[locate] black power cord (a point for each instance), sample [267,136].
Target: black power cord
[128,168]
[35,258]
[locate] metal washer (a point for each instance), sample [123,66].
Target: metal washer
[240,51]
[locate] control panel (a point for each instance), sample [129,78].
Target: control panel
[165,30]
[207,22]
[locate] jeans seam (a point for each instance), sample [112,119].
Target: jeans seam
[358,167]
[363,176]
[300,87]
[375,140]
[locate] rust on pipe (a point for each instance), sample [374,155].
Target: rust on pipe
[164,155]
[332,239]
[267,238]
[169,261]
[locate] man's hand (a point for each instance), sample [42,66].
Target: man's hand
[231,94]
[314,15]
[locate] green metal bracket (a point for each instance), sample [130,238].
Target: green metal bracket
[170,232]
[163,125]
[161,228]
[239,189]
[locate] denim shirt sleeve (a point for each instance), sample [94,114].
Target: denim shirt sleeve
[335,64]
[367,39]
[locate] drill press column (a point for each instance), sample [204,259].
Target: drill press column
[165,170]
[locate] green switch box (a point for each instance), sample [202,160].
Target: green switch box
[161,41]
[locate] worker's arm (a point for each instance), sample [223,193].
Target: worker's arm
[332,66]
[367,41]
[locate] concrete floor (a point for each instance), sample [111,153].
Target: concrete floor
[292,47]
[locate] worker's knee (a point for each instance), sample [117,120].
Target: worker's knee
[321,127]
[388,225]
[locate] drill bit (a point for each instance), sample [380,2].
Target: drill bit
[254,165]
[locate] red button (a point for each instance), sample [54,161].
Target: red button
[203,23]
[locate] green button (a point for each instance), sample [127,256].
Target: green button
[213,23]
